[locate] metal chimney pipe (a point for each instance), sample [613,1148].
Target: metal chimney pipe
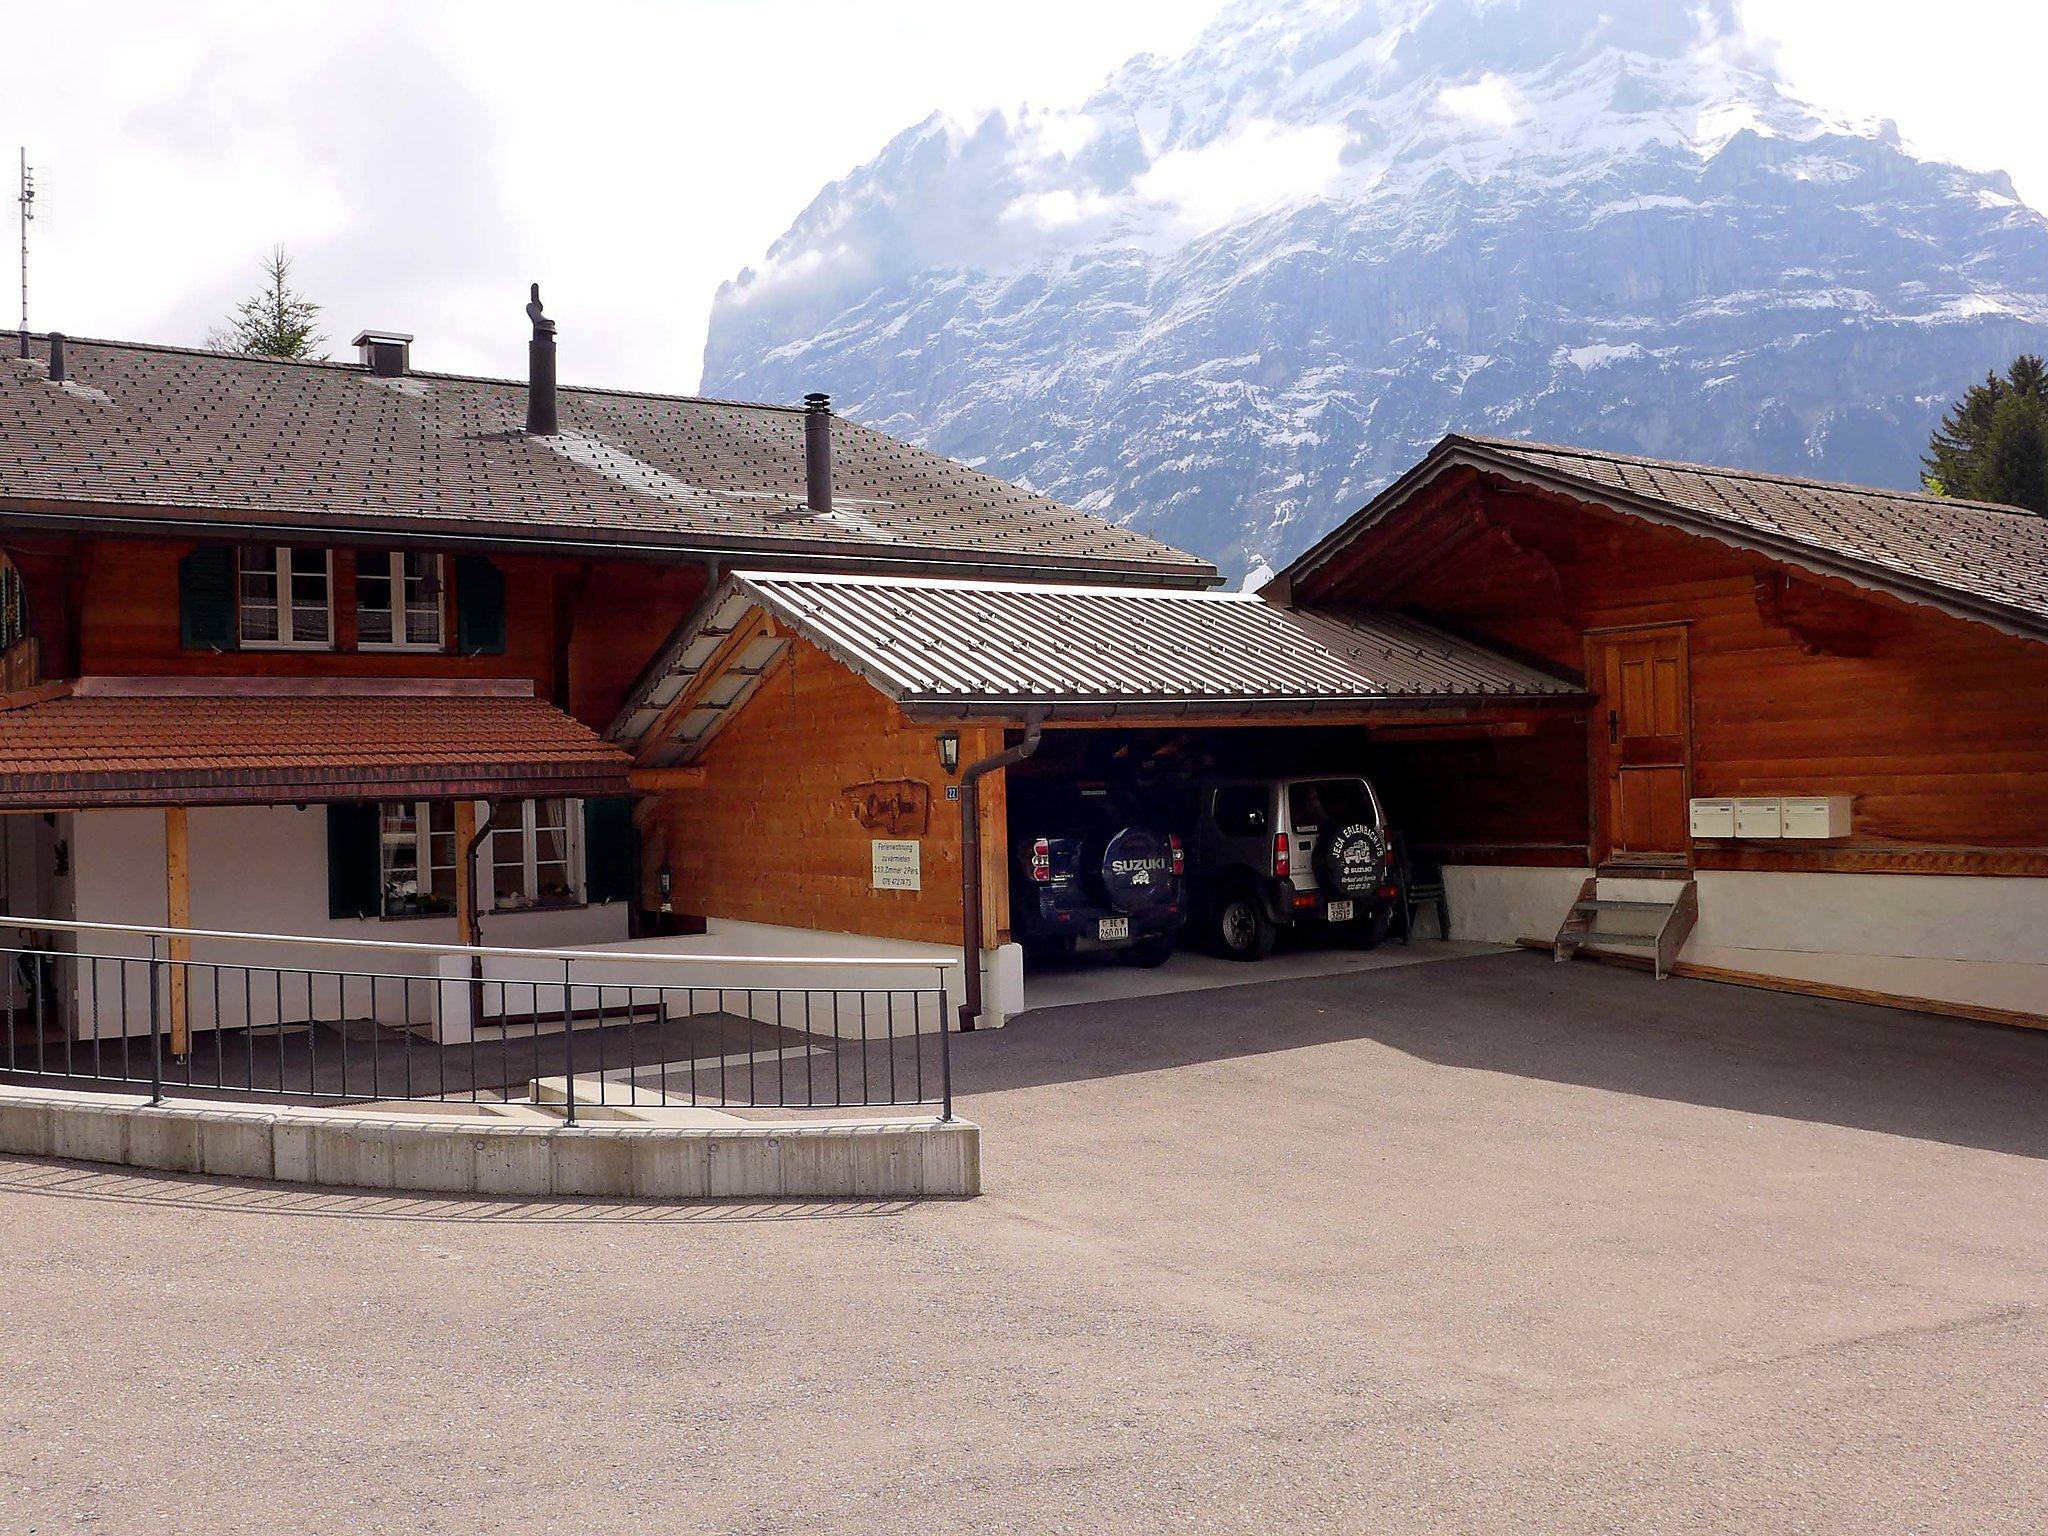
[56,357]
[540,368]
[818,452]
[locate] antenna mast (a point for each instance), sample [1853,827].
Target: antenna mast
[27,199]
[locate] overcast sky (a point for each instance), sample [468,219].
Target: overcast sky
[424,162]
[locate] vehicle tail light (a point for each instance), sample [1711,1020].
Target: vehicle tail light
[1180,858]
[1041,861]
[1389,892]
[1283,861]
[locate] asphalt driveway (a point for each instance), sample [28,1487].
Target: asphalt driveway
[1483,1245]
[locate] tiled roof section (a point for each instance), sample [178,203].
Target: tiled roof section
[955,647]
[1993,555]
[69,746]
[148,428]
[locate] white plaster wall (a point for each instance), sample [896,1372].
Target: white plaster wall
[1976,939]
[263,869]
[702,977]
[1500,904]
[1973,939]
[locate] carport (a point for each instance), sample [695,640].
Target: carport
[828,728]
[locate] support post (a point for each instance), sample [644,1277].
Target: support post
[178,909]
[466,926]
[970,863]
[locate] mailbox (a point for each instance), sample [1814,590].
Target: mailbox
[1713,818]
[1760,818]
[1817,816]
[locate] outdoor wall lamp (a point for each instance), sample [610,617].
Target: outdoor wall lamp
[665,882]
[949,751]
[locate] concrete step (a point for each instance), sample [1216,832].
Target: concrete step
[1621,906]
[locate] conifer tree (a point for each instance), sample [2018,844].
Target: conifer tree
[275,321]
[1993,444]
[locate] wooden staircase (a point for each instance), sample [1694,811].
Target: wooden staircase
[1656,930]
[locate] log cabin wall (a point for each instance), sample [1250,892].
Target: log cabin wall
[1800,685]
[580,631]
[775,833]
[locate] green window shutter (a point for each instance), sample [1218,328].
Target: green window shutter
[611,850]
[206,599]
[479,606]
[355,874]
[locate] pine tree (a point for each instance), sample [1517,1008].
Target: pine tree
[1993,444]
[275,321]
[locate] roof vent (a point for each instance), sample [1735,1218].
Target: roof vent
[387,354]
[818,452]
[540,363]
[56,357]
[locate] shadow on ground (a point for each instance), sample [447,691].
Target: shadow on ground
[1696,1042]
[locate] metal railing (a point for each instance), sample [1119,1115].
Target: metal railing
[131,1007]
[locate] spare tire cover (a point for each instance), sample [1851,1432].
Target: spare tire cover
[1348,858]
[1137,871]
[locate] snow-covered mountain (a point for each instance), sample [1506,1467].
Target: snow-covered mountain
[1235,292]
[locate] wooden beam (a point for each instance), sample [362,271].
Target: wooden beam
[465,871]
[1694,971]
[751,628]
[178,914]
[993,803]
[653,781]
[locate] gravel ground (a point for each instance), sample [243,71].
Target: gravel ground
[1483,1245]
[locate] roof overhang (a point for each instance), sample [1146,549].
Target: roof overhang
[1456,452]
[1005,652]
[426,531]
[135,741]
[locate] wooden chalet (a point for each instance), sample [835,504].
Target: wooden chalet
[324,649]
[1823,708]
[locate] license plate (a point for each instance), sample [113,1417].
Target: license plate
[1342,911]
[1113,928]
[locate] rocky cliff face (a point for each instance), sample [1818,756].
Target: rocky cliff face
[1236,292]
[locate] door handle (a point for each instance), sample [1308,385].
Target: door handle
[1613,727]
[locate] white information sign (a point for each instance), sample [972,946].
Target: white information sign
[897,866]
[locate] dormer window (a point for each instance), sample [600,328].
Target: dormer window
[286,597]
[399,601]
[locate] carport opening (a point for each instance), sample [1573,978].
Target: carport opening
[1500,786]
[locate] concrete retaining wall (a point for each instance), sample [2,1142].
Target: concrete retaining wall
[876,1159]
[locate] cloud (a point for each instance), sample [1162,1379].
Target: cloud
[1061,209]
[1262,164]
[1491,101]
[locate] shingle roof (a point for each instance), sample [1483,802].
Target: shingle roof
[161,741]
[955,648]
[146,429]
[1973,558]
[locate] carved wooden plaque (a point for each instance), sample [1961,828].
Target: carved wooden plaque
[891,807]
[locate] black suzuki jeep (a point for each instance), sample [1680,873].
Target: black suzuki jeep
[1084,867]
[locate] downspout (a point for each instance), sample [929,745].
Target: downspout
[970,858]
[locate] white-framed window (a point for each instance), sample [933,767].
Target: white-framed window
[400,597]
[285,596]
[533,854]
[417,857]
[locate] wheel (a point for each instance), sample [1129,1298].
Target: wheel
[1055,950]
[1349,860]
[1243,931]
[1148,953]
[1369,934]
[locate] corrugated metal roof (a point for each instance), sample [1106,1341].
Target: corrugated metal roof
[1972,558]
[143,432]
[950,648]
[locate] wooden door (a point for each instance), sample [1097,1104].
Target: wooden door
[1642,746]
